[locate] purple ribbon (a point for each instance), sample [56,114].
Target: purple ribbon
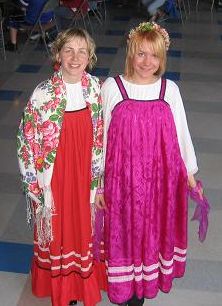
[98,233]
[201,211]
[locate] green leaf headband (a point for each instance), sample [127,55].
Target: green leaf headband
[148,27]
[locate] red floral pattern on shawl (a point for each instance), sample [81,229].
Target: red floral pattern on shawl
[38,139]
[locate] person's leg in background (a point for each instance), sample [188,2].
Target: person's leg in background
[13,25]
[14,21]
[13,36]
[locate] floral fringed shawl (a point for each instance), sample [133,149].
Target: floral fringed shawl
[37,142]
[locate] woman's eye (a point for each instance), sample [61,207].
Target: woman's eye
[141,54]
[83,52]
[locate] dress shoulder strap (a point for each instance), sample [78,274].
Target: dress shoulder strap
[162,89]
[121,87]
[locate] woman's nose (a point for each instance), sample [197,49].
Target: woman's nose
[74,55]
[147,59]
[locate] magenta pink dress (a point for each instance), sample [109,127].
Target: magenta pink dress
[146,195]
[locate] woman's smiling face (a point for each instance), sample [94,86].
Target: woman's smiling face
[74,58]
[145,64]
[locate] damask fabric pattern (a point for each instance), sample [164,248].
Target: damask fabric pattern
[146,196]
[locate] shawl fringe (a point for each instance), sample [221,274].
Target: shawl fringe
[41,216]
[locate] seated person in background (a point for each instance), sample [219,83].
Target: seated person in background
[33,9]
[13,7]
[19,6]
[65,11]
[153,8]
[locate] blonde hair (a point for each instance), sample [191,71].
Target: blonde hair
[64,36]
[157,43]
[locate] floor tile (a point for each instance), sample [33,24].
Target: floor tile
[115,33]
[106,50]
[28,68]
[15,257]
[101,71]
[11,286]
[9,95]
[174,76]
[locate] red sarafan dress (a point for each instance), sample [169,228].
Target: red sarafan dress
[65,269]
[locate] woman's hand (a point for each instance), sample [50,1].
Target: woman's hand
[193,184]
[99,201]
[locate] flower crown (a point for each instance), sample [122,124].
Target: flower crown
[151,26]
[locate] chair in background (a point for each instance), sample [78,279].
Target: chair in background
[178,9]
[48,31]
[184,9]
[86,11]
[98,10]
[101,7]
[80,15]
[211,7]
[5,6]
[2,41]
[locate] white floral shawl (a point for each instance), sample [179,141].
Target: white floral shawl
[38,139]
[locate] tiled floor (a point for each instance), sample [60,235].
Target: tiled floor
[195,62]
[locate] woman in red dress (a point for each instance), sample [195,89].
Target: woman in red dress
[60,152]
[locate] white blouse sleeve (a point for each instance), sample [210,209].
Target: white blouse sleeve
[110,96]
[183,134]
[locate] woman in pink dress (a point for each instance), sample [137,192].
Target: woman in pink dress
[60,153]
[150,161]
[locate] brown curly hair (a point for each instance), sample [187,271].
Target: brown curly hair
[64,36]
